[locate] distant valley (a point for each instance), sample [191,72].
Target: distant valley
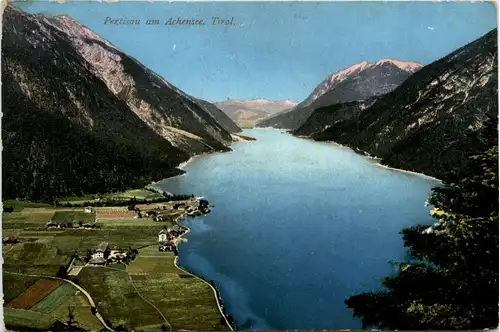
[248,112]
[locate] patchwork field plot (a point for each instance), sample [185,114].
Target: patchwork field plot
[35,253]
[186,302]
[20,318]
[34,294]
[73,216]
[123,294]
[137,193]
[81,309]
[14,285]
[99,209]
[25,219]
[132,222]
[54,307]
[123,236]
[115,214]
[153,206]
[118,301]
[59,295]
[20,205]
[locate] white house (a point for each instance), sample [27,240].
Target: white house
[162,236]
[100,250]
[99,253]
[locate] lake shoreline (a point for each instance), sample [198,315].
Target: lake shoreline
[214,289]
[367,155]
[203,179]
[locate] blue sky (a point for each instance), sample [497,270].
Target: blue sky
[277,50]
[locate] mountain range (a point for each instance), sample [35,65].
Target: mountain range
[81,116]
[248,112]
[428,124]
[358,82]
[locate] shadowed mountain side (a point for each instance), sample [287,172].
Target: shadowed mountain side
[221,117]
[434,119]
[170,112]
[67,130]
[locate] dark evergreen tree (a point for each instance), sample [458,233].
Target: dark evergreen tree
[450,280]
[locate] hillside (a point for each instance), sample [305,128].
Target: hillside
[248,112]
[434,118]
[358,82]
[168,111]
[221,117]
[72,126]
[325,117]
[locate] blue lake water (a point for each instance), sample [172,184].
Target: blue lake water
[297,226]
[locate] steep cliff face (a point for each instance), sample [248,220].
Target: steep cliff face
[171,113]
[248,112]
[430,122]
[358,82]
[69,129]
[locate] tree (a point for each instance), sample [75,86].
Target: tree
[450,280]
[62,272]
[88,255]
[71,322]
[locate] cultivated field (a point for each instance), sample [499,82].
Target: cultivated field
[73,216]
[63,292]
[129,296]
[115,214]
[26,220]
[117,298]
[35,257]
[190,303]
[14,285]
[21,318]
[34,294]
[137,193]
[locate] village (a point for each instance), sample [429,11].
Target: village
[168,237]
[116,253]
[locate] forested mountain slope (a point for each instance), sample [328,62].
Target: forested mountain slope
[434,119]
[73,126]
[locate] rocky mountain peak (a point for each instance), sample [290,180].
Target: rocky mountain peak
[357,82]
[406,66]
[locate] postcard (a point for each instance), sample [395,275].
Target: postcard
[224,166]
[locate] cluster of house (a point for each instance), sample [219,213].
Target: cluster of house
[166,237]
[9,240]
[198,208]
[154,215]
[194,207]
[103,254]
[74,224]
